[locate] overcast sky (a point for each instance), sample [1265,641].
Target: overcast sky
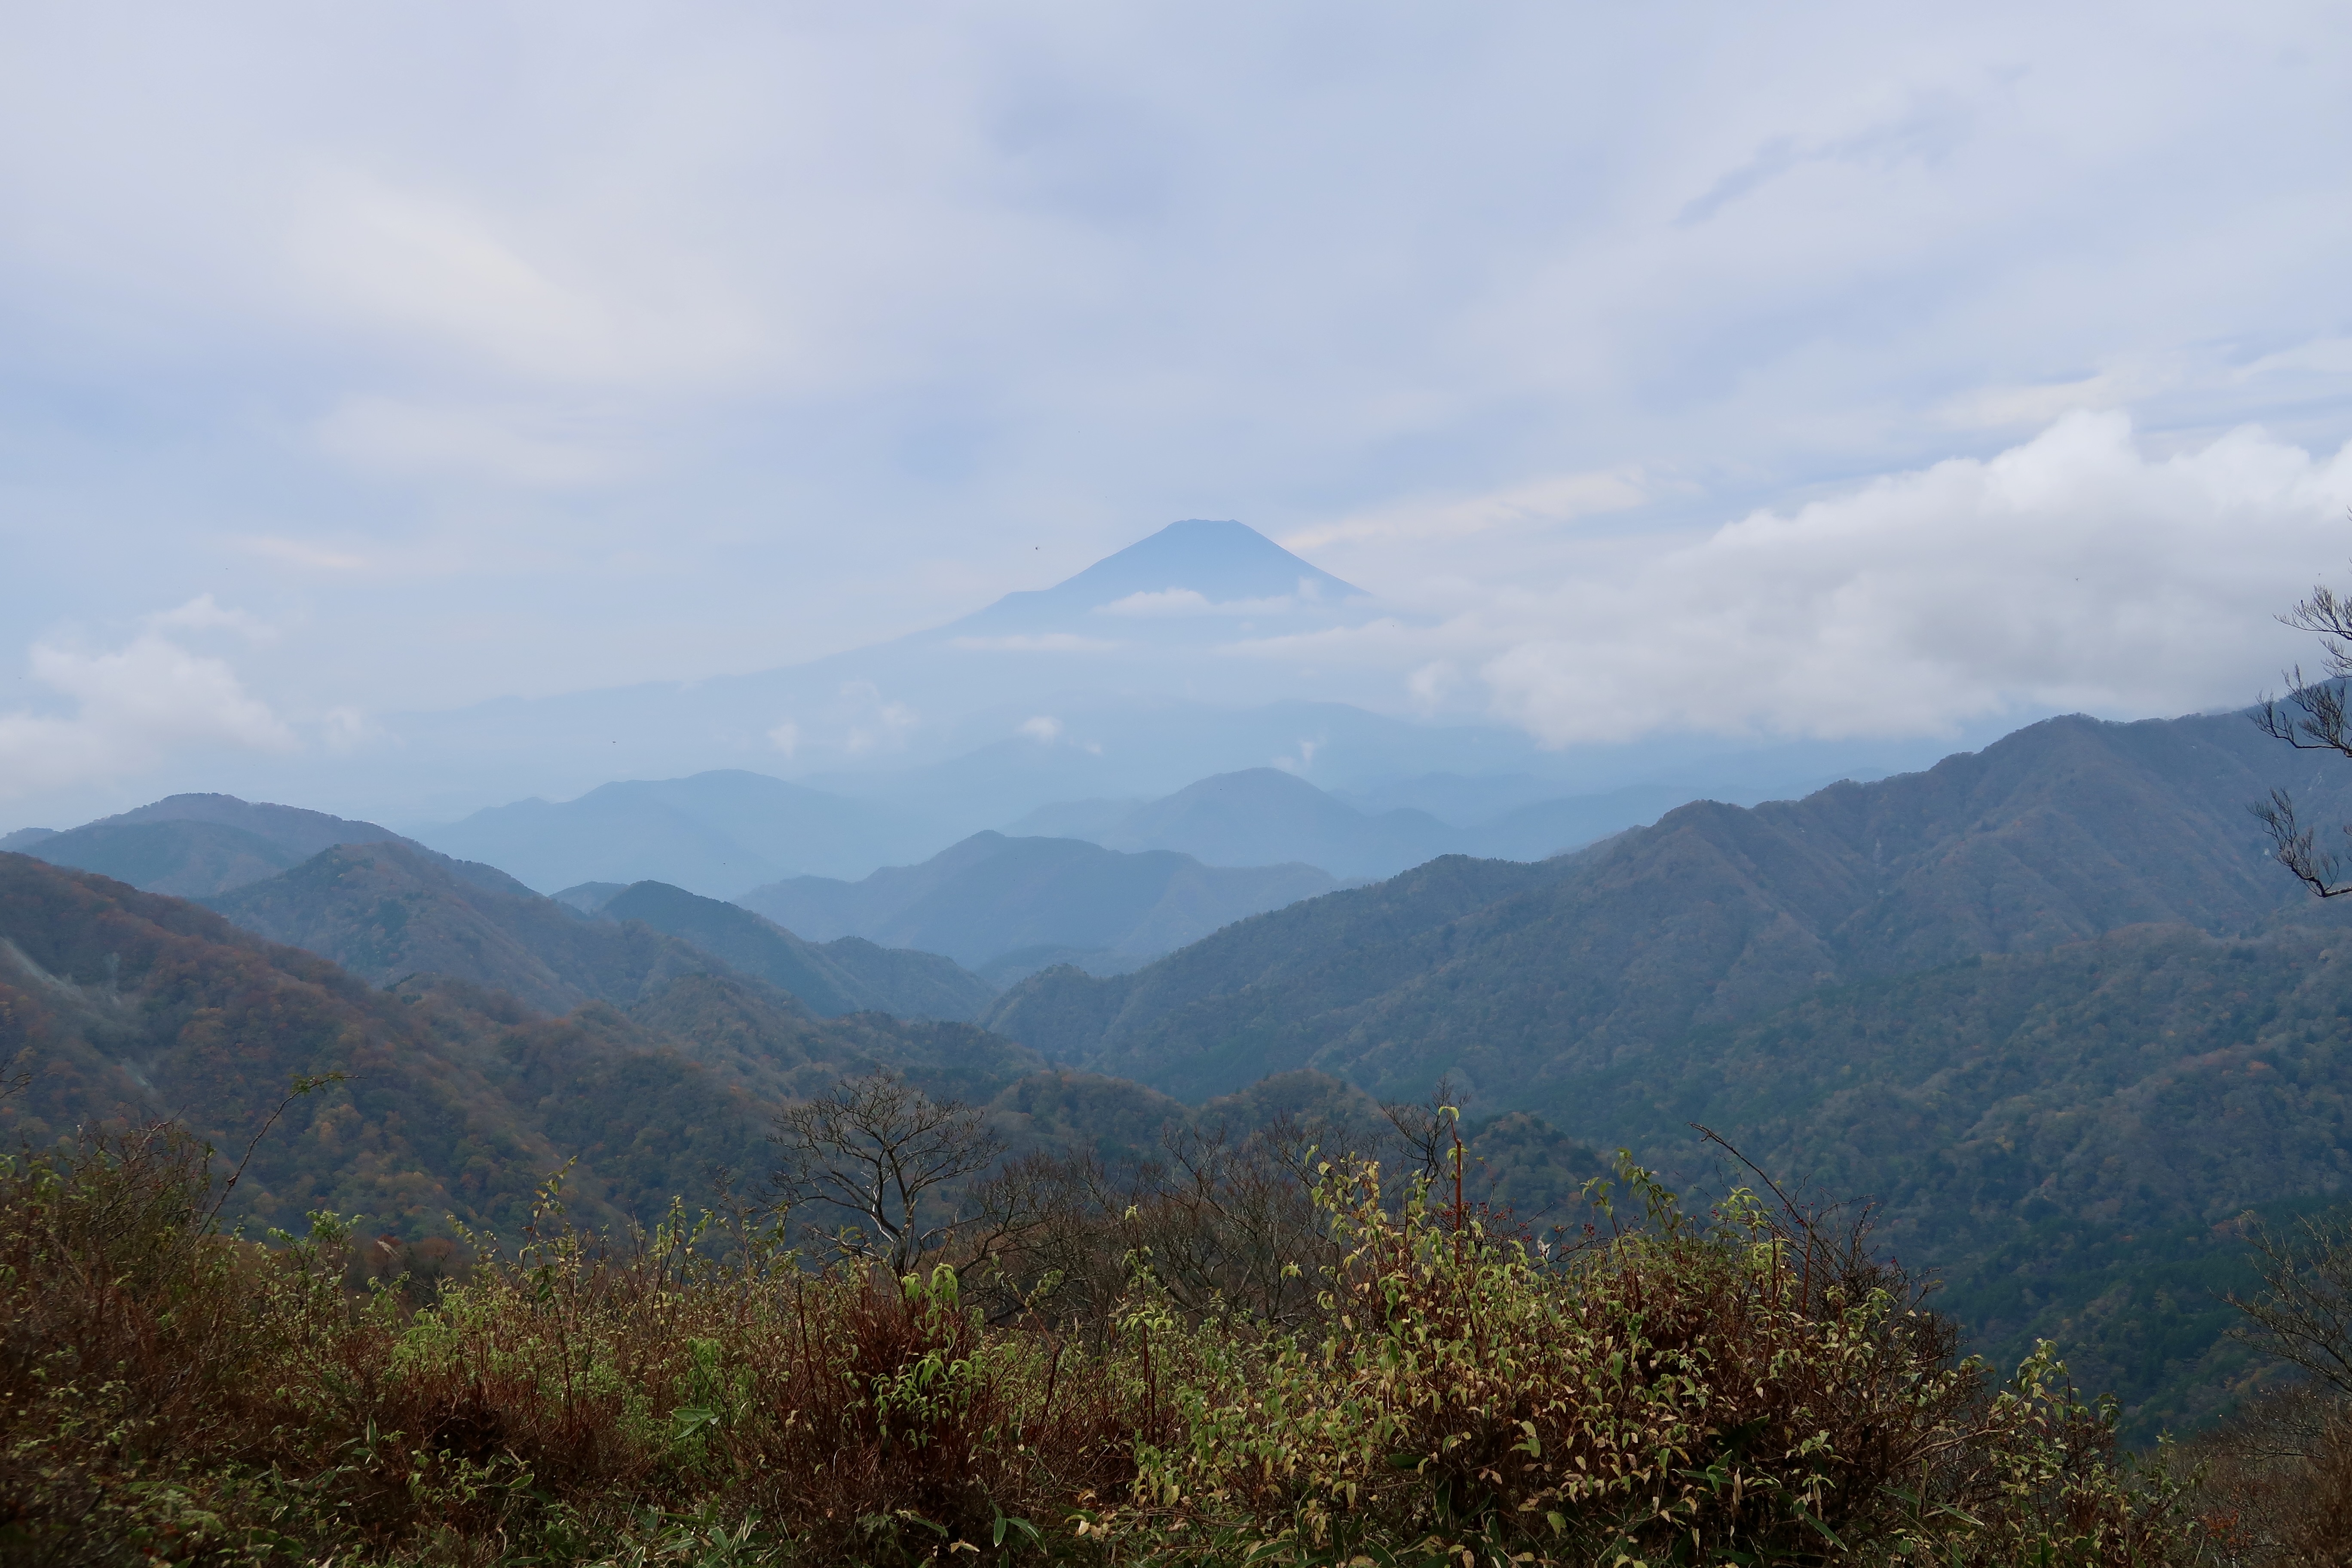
[1872,365]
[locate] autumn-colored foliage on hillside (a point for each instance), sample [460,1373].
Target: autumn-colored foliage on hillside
[1737,1388]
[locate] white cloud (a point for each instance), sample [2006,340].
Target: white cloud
[346,731]
[302,552]
[2071,572]
[516,291]
[134,708]
[785,738]
[1044,728]
[523,447]
[2074,571]
[1165,601]
[2119,386]
[203,614]
[1035,642]
[856,318]
[1173,602]
[885,728]
[1539,503]
[1301,764]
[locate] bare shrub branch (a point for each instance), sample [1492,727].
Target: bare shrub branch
[887,1154]
[2314,716]
[2304,1316]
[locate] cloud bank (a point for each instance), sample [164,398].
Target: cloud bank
[139,705]
[653,344]
[2072,571]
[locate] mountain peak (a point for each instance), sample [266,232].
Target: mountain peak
[1198,567]
[1220,560]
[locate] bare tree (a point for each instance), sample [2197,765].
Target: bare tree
[887,1154]
[1224,1222]
[1429,1131]
[2313,717]
[2305,1317]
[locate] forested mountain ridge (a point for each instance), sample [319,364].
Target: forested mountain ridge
[185,860]
[121,1007]
[847,975]
[2069,1137]
[124,1006]
[192,846]
[2051,1006]
[992,894]
[2057,832]
[1264,816]
[384,910]
[293,827]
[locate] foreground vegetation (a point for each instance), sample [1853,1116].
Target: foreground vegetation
[1201,1365]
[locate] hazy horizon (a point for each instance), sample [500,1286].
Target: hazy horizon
[1837,379]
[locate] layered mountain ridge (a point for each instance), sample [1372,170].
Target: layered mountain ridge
[992,896]
[2048,1004]
[2063,831]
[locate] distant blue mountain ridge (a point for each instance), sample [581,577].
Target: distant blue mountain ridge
[723,833]
[1192,653]
[991,898]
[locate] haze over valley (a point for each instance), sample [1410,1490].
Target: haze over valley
[796,787]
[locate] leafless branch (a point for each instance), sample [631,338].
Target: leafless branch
[301,1085]
[1427,1130]
[2305,1315]
[2329,618]
[2295,847]
[2314,716]
[882,1150]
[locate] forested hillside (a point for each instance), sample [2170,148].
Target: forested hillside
[991,895]
[121,1004]
[195,845]
[1522,979]
[2051,1005]
[121,1007]
[385,910]
[843,975]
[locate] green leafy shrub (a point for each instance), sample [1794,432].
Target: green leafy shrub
[1744,1392]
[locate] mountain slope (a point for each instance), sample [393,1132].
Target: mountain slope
[2059,832]
[290,827]
[990,895]
[192,846]
[2050,1005]
[2069,1136]
[1543,828]
[387,910]
[846,975]
[1263,816]
[1212,1017]
[126,1007]
[1165,587]
[185,860]
[122,1007]
[714,833]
